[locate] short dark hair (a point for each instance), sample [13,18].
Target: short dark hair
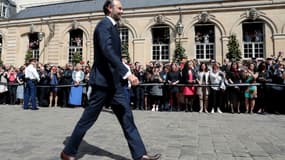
[106,5]
[32,60]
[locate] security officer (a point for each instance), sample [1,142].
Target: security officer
[32,77]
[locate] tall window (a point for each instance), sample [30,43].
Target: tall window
[124,35]
[160,42]
[253,39]
[205,41]
[34,45]
[3,10]
[75,44]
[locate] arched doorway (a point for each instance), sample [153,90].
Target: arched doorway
[253,39]
[205,41]
[34,45]
[75,44]
[160,43]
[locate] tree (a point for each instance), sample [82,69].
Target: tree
[76,57]
[1,62]
[179,53]
[29,55]
[233,47]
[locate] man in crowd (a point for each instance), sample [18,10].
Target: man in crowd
[32,77]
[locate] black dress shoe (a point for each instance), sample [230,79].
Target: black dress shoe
[64,156]
[150,157]
[35,108]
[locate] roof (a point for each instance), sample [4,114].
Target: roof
[87,6]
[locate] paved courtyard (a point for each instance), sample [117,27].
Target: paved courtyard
[40,135]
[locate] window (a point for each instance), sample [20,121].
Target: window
[75,44]
[160,43]
[3,10]
[253,39]
[34,45]
[124,35]
[204,41]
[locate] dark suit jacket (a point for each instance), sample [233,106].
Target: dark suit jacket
[108,69]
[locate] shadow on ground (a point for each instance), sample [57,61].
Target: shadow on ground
[88,149]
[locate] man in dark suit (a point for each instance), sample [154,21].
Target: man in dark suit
[108,78]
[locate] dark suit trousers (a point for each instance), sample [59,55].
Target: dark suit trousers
[30,94]
[120,105]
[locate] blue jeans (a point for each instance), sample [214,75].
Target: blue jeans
[30,94]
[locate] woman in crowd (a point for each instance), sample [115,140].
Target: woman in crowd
[263,78]
[12,86]
[75,97]
[87,89]
[156,90]
[3,86]
[217,78]
[173,78]
[189,76]
[234,77]
[250,93]
[42,90]
[203,91]
[165,91]
[277,92]
[66,80]
[139,90]
[20,81]
[54,81]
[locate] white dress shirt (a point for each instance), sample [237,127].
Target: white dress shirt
[31,73]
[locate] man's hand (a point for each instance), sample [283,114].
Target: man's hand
[133,79]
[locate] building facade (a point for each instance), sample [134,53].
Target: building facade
[149,30]
[22,4]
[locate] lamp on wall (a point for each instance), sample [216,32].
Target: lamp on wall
[41,35]
[32,28]
[179,25]
[74,25]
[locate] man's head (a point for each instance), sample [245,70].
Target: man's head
[33,61]
[114,9]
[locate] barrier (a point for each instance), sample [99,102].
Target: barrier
[164,84]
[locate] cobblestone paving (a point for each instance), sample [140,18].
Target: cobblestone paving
[40,135]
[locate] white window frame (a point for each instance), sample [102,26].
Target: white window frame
[124,35]
[36,54]
[161,47]
[204,51]
[256,50]
[72,50]
[161,52]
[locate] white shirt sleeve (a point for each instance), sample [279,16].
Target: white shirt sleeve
[127,74]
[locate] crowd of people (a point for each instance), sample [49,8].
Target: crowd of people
[254,86]
[58,86]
